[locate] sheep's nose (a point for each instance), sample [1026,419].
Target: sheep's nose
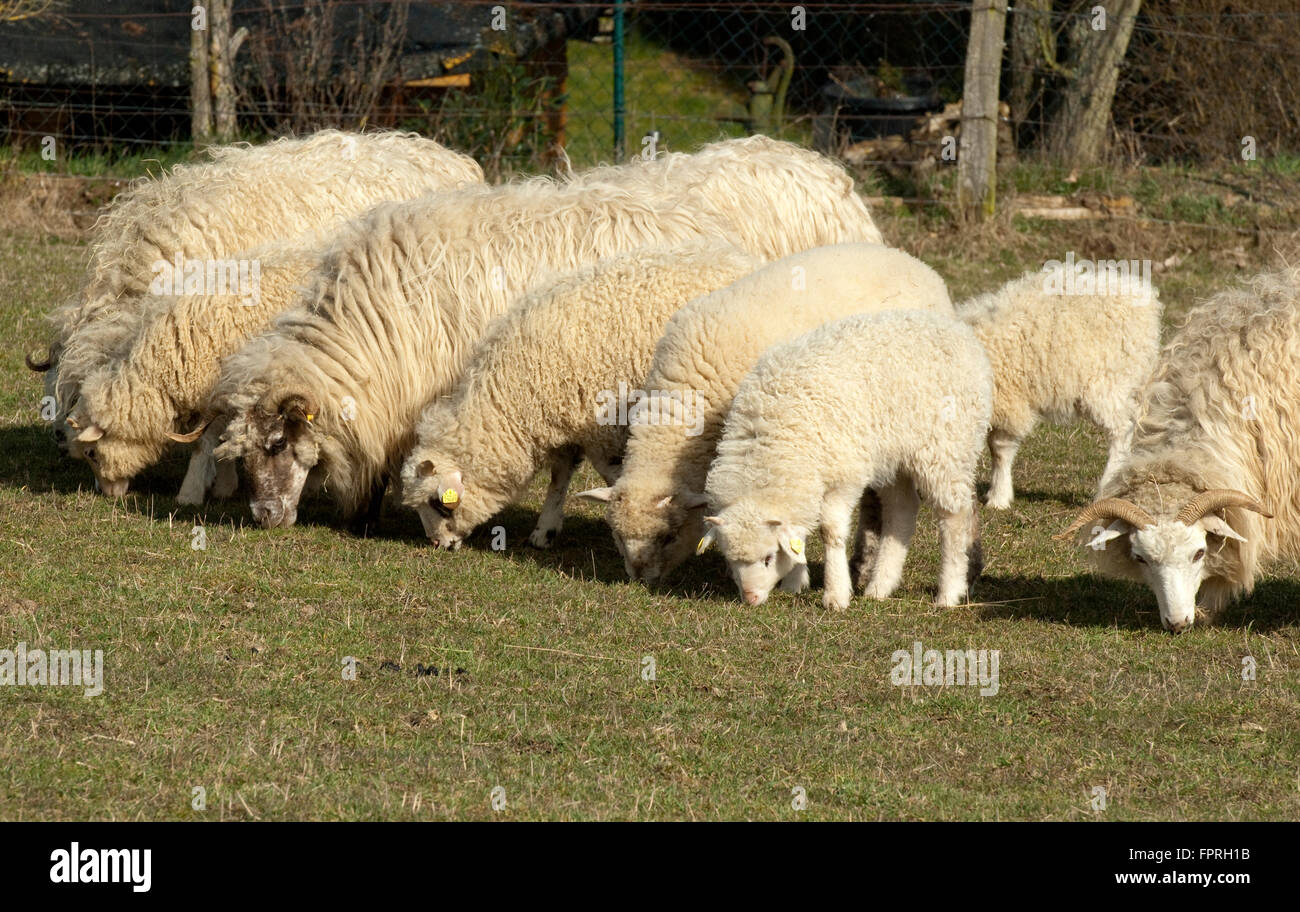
[752,597]
[116,488]
[1178,626]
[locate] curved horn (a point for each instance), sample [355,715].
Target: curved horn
[40,366]
[192,435]
[1109,509]
[1216,499]
[298,400]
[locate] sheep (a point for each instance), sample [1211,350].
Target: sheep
[404,295]
[241,198]
[1209,490]
[655,507]
[776,197]
[1060,355]
[546,385]
[898,400]
[130,407]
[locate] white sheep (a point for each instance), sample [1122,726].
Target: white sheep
[132,407]
[1209,491]
[548,384]
[1060,351]
[404,296]
[899,401]
[240,198]
[655,509]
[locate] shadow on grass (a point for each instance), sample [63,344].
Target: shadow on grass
[1095,601]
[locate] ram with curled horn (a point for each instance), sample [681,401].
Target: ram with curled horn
[1210,491]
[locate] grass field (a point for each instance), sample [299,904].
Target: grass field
[524,669]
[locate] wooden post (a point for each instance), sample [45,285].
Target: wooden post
[977,152]
[200,81]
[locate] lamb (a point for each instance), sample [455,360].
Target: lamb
[130,408]
[405,294]
[655,507]
[243,197]
[898,400]
[544,386]
[1209,491]
[1060,355]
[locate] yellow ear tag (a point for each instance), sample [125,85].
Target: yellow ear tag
[450,497]
[703,545]
[796,545]
[310,417]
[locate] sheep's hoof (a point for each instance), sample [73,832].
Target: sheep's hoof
[949,601]
[542,538]
[189,499]
[878,591]
[1001,502]
[836,602]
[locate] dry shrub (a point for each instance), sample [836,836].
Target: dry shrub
[1202,74]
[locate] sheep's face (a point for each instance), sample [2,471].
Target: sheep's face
[437,492]
[1173,559]
[114,459]
[760,552]
[655,530]
[279,448]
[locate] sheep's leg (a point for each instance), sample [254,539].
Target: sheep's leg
[900,504]
[368,518]
[1121,438]
[198,476]
[1003,446]
[227,480]
[958,541]
[796,580]
[837,514]
[227,476]
[868,543]
[563,464]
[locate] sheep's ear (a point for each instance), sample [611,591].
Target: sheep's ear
[601,494]
[691,500]
[425,469]
[662,503]
[452,491]
[713,520]
[91,434]
[296,407]
[1100,536]
[1216,526]
[792,543]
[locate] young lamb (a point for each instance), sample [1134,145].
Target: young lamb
[543,385]
[134,406]
[1059,356]
[405,294]
[1209,491]
[656,506]
[242,197]
[899,401]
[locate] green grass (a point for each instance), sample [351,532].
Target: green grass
[223,666]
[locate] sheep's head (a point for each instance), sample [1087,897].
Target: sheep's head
[760,550]
[436,488]
[277,440]
[655,529]
[1173,554]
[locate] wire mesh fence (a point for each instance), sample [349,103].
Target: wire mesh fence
[515,82]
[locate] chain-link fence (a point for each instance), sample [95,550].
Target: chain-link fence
[514,82]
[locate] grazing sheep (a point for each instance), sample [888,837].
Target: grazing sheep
[1210,488]
[1060,356]
[131,408]
[406,293]
[543,387]
[655,507]
[899,401]
[776,198]
[241,198]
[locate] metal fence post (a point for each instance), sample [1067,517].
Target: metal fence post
[619,104]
